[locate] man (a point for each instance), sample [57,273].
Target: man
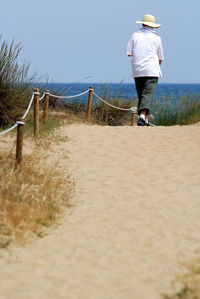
[145,47]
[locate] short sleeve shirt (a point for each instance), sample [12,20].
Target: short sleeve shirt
[146,49]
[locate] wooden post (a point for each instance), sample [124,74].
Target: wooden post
[19,145]
[91,89]
[46,106]
[132,118]
[36,112]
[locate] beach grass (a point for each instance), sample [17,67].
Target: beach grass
[15,84]
[176,110]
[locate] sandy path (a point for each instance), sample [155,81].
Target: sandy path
[137,217]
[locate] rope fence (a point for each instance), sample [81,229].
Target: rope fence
[35,99]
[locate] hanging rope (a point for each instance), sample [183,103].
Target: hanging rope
[132,109]
[29,107]
[30,103]
[42,97]
[69,97]
[8,130]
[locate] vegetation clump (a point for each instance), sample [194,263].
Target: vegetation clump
[187,286]
[176,110]
[31,199]
[15,83]
[107,115]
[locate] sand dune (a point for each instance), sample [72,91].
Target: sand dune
[136,219]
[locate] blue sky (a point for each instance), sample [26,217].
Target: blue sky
[70,40]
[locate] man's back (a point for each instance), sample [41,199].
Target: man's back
[145,47]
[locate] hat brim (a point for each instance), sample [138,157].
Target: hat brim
[150,24]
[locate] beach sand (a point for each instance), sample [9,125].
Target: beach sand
[136,217]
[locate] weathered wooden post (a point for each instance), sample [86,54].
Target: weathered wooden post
[19,145]
[46,106]
[36,112]
[91,89]
[132,118]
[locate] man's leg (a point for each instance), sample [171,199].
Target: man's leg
[148,92]
[146,87]
[139,85]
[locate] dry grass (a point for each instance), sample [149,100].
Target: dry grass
[30,200]
[187,286]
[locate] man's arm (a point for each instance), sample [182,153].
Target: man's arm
[160,53]
[129,49]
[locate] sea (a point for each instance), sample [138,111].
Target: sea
[125,91]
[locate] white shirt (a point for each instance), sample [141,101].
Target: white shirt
[145,47]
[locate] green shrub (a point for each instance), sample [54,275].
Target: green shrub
[15,83]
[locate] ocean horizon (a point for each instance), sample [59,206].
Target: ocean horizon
[125,91]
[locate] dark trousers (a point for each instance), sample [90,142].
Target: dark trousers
[146,87]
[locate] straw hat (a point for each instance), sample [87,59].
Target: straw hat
[149,20]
